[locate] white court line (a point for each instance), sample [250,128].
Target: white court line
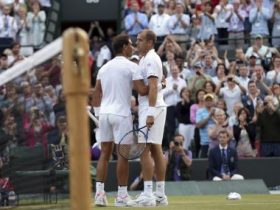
[238,203]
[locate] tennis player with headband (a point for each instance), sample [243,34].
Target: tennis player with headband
[152,112]
[112,93]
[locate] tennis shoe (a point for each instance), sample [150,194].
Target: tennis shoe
[101,199]
[143,200]
[121,201]
[161,200]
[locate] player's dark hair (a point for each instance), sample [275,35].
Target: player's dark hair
[119,41]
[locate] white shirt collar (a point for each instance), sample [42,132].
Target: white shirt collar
[220,146]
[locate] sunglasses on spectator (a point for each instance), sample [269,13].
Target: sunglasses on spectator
[178,143]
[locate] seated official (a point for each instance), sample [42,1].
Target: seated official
[179,160]
[222,160]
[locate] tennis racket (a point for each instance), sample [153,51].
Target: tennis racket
[133,143]
[92,117]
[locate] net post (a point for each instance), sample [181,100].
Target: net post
[76,83]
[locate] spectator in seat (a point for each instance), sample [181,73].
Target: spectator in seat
[245,134]
[38,26]
[259,50]
[43,102]
[179,160]
[259,77]
[159,24]
[15,56]
[235,21]
[199,104]
[221,122]
[183,110]
[171,95]
[178,25]
[273,76]
[208,28]
[197,81]
[243,78]
[8,25]
[268,120]
[221,72]
[276,24]
[36,129]
[24,35]
[203,121]
[223,160]
[259,17]
[276,91]
[59,107]
[3,62]
[135,21]
[251,98]
[148,8]
[168,45]
[221,13]
[59,135]
[231,93]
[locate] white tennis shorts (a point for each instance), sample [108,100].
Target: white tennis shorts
[155,133]
[114,127]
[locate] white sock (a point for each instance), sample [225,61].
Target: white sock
[122,191]
[148,187]
[99,187]
[160,188]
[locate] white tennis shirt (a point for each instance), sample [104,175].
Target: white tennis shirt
[151,65]
[116,78]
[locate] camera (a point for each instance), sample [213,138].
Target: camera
[198,73]
[230,79]
[37,113]
[265,103]
[178,143]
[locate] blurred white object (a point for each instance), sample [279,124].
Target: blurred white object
[234,196]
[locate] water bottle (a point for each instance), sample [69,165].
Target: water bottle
[12,198]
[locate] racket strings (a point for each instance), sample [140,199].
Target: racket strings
[130,147]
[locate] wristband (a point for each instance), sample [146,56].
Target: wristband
[96,111]
[151,111]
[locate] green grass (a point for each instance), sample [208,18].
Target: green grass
[218,202]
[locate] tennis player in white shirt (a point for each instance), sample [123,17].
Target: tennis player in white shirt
[112,93]
[152,112]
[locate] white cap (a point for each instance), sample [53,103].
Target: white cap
[234,196]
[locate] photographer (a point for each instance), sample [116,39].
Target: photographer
[268,120]
[179,160]
[36,128]
[197,81]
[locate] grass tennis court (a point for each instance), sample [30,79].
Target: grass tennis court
[217,202]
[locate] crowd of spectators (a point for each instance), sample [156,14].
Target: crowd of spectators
[24,21]
[206,91]
[30,103]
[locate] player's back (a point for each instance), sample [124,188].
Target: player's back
[116,82]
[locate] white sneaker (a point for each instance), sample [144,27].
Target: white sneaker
[143,200]
[121,201]
[161,200]
[101,199]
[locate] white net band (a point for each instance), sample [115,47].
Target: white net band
[36,59]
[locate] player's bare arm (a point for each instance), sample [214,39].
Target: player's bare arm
[97,94]
[140,87]
[153,89]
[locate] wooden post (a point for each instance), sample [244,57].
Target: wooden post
[76,82]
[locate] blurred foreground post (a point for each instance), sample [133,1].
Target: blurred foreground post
[75,78]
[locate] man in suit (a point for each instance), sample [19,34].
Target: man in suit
[223,160]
